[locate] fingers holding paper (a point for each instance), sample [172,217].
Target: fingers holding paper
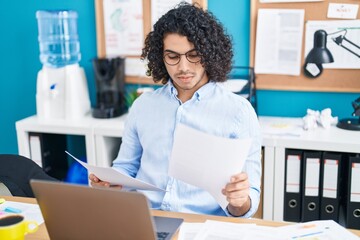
[237,194]
[96,182]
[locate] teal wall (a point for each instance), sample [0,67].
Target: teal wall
[19,62]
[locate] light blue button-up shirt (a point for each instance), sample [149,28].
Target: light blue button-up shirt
[148,138]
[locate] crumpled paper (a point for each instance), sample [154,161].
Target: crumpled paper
[314,119]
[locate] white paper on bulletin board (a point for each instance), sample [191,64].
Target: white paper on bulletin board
[160,7]
[123,26]
[278,41]
[342,58]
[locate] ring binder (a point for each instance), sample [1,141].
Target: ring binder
[352,205]
[331,185]
[310,187]
[292,195]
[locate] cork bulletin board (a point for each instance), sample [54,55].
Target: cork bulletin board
[331,80]
[100,33]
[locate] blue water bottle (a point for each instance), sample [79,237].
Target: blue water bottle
[58,38]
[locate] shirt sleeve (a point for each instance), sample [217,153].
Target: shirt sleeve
[128,159]
[252,164]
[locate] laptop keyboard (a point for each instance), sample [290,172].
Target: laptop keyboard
[162,235]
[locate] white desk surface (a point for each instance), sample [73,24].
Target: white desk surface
[332,139]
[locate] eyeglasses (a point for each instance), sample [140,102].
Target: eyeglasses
[173,58]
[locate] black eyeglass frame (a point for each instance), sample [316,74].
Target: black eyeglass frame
[167,52]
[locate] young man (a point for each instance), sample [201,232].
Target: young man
[190,54]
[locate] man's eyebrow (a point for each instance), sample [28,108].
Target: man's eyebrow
[171,51]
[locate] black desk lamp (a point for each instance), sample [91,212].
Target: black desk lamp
[320,54]
[352,123]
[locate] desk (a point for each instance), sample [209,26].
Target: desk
[42,234]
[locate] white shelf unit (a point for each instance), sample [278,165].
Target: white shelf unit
[333,139]
[103,139]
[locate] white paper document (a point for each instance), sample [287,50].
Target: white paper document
[314,230]
[115,177]
[323,229]
[226,231]
[343,10]
[31,212]
[278,41]
[343,59]
[207,161]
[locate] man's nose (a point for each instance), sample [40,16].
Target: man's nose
[184,63]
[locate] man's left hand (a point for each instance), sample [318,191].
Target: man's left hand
[237,194]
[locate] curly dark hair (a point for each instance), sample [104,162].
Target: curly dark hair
[202,29]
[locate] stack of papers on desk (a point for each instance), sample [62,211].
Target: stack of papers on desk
[31,212]
[319,230]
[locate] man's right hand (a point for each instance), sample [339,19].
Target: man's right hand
[96,182]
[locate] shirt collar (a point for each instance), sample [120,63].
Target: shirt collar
[200,93]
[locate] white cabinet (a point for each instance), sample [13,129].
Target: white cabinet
[103,139]
[333,139]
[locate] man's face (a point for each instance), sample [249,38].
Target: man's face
[186,71]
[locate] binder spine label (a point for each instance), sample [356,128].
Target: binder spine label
[330,178]
[293,174]
[35,149]
[312,177]
[355,186]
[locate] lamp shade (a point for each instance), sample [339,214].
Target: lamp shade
[320,54]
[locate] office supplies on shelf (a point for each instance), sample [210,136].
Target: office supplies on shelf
[331,185]
[352,123]
[292,195]
[352,203]
[115,177]
[310,187]
[82,212]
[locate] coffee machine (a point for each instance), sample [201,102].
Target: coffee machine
[110,87]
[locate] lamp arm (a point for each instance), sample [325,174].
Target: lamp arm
[351,42]
[339,41]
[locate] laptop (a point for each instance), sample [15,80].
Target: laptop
[81,212]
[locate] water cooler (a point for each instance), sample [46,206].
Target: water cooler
[61,91]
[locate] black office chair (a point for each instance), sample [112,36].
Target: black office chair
[16,172]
